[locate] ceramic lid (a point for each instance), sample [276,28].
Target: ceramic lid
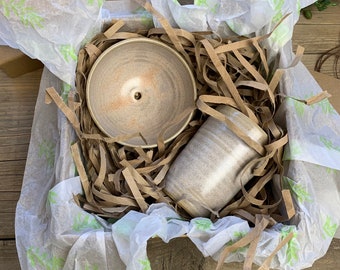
[138,86]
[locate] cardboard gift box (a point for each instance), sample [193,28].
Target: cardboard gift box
[74,234]
[15,63]
[331,85]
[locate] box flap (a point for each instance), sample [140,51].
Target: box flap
[15,63]
[331,85]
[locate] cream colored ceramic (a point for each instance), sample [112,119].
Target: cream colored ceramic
[139,85]
[205,172]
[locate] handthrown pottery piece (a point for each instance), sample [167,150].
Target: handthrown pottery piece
[205,174]
[139,85]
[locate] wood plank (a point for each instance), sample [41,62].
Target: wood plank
[9,196]
[7,225]
[16,139]
[329,16]
[177,254]
[14,147]
[17,108]
[18,97]
[181,253]
[8,201]
[309,61]
[21,125]
[13,152]
[11,175]
[7,206]
[331,260]
[25,89]
[15,167]
[19,117]
[318,35]
[158,256]
[16,116]
[316,38]
[26,98]
[8,255]
[324,18]
[15,130]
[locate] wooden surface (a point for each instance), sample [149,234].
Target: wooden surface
[17,101]
[318,35]
[182,254]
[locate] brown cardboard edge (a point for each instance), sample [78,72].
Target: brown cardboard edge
[331,85]
[15,63]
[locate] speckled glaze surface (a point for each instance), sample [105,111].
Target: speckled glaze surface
[139,85]
[205,172]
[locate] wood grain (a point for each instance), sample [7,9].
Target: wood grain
[181,253]
[309,61]
[6,202]
[317,35]
[6,225]
[332,14]
[304,35]
[11,174]
[177,254]
[17,104]
[329,16]
[8,255]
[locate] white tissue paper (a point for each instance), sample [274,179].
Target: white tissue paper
[52,232]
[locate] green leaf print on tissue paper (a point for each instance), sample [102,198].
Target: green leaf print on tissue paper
[46,150]
[82,222]
[298,190]
[329,228]
[26,14]
[68,52]
[145,264]
[38,258]
[92,2]
[278,10]
[331,171]
[292,245]
[238,235]
[292,150]
[329,144]
[204,3]
[298,6]
[300,106]
[52,197]
[65,92]
[91,267]
[203,224]
[201,3]
[327,107]
[146,17]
